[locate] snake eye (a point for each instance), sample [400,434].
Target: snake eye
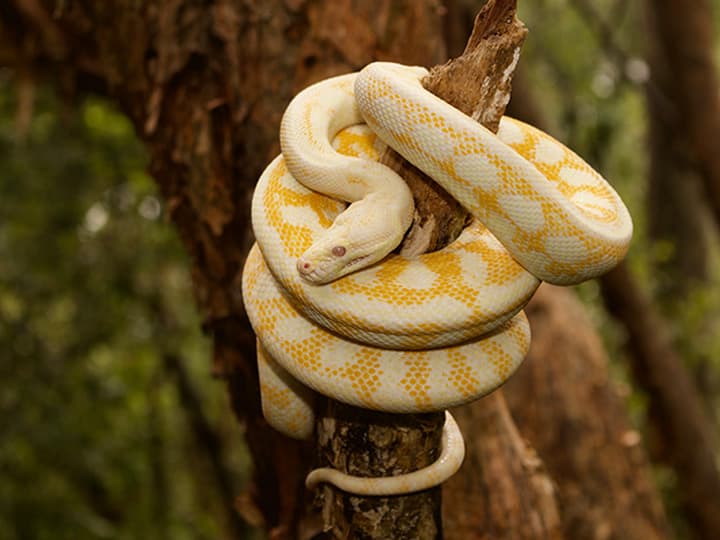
[339,251]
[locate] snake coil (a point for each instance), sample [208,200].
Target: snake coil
[336,313]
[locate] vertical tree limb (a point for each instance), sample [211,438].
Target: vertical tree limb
[208,442]
[683,40]
[680,217]
[478,83]
[680,422]
[676,203]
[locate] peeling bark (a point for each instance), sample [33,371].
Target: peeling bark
[478,83]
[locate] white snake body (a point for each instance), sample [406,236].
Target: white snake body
[306,134]
[335,313]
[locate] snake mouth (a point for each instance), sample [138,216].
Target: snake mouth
[317,276]
[356,261]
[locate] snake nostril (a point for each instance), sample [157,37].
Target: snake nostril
[303,267]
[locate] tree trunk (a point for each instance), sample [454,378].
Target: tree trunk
[676,203]
[205,85]
[682,46]
[680,219]
[683,430]
[570,411]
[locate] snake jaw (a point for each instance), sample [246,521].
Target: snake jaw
[320,271]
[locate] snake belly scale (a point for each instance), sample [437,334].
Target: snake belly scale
[336,313]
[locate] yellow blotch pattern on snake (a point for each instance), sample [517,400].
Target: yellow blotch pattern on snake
[434,331]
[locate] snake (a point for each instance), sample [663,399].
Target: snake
[337,312]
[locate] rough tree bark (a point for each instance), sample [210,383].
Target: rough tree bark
[205,84]
[576,419]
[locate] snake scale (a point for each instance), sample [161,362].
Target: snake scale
[336,312]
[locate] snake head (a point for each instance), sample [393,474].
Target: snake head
[358,238]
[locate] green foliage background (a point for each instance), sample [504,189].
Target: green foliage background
[94,292]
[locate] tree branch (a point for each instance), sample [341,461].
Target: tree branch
[478,83]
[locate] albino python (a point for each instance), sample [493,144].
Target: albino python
[337,313]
